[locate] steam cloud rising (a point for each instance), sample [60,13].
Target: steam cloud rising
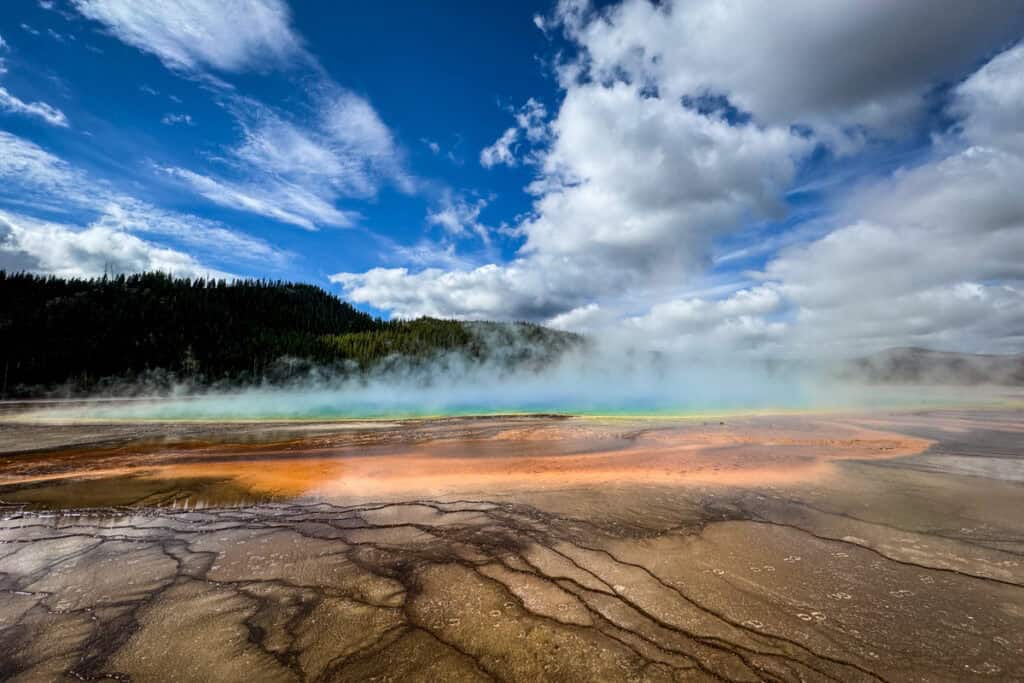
[592,378]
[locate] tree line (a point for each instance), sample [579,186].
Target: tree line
[76,335]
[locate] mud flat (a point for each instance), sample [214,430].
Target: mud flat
[883,546]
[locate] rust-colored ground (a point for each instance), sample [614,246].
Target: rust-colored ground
[871,547]
[486,456]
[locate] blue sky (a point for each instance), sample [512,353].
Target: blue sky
[126,114]
[700,175]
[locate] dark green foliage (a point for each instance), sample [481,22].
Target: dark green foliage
[415,338]
[74,333]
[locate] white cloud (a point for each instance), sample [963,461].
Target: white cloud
[531,124]
[930,255]
[177,119]
[37,181]
[297,173]
[355,131]
[459,217]
[205,236]
[40,110]
[695,324]
[489,291]
[282,202]
[501,151]
[992,102]
[68,251]
[899,271]
[425,254]
[193,35]
[587,319]
[275,146]
[634,188]
[933,254]
[59,37]
[631,193]
[700,325]
[33,174]
[826,63]
[532,120]
[641,184]
[291,170]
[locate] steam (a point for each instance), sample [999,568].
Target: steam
[583,379]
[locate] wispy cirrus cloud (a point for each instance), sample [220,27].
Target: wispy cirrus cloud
[296,167]
[177,120]
[298,172]
[36,181]
[459,216]
[195,35]
[266,197]
[12,104]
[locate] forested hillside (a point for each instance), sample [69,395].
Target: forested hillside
[75,335]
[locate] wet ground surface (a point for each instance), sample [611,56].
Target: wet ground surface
[801,547]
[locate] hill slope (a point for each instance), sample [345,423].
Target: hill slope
[80,335]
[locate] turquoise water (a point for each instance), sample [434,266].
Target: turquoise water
[408,402]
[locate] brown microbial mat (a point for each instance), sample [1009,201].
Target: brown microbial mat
[803,547]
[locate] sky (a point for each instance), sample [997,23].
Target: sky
[790,178]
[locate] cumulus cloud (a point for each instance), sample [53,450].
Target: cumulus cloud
[532,120]
[531,125]
[825,63]
[681,123]
[70,251]
[697,324]
[630,194]
[39,110]
[195,35]
[637,183]
[991,102]
[933,254]
[501,151]
[487,292]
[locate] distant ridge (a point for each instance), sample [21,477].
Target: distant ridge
[915,365]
